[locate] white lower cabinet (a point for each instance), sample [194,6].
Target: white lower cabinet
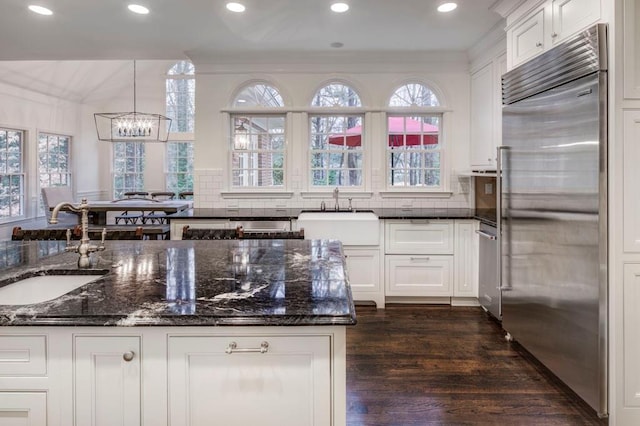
[364,271]
[265,380]
[419,275]
[23,408]
[107,380]
[466,259]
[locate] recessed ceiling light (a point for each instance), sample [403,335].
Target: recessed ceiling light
[447,7]
[136,8]
[339,7]
[40,10]
[337,44]
[236,7]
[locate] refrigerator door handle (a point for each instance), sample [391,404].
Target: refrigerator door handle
[499,175]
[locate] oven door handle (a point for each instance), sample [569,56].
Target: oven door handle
[486,235]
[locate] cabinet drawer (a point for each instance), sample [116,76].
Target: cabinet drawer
[419,275]
[23,355]
[419,237]
[23,408]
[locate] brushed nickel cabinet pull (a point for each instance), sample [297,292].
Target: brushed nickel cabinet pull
[233,348]
[128,356]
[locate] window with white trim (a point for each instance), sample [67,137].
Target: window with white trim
[258,155]
[128,167]
[180,97]
[335,144]
[179,175]
[414,143]
[12,179]
[54,161]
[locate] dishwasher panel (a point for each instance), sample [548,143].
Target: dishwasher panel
[489,293]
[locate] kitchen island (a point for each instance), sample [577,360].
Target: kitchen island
[181,332]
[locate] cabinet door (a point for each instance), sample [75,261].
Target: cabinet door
[526,39]
[466,260]
[107,380]
[631,173]
[363,269]
[631,319]
[571,16]
[631,44]
[286,384]
[419,276]
[23,408]
[482,120]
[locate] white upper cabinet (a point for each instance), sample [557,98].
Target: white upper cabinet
[545,25]
[631,56]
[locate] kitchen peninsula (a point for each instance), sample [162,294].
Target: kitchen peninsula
[180,332]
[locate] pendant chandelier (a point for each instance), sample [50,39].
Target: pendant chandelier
[132,126]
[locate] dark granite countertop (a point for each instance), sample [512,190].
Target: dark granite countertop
[292,213]
[187,283]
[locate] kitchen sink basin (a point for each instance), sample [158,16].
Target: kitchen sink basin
[352,228]
[42,288]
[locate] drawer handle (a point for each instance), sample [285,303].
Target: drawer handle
[419,221]
[418,259]
[233,348]
[128,356]
[538,44]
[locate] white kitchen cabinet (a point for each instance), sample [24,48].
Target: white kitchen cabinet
[482,117]
[419,275]
[364,270]
[107,380]
[631,57]
[631,319]
[465,283]
[23,356]
[249,380]
[419,236]
[526,39]
[631,173]
[547,25]
[23,408]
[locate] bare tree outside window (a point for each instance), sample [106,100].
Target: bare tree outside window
[179,176]
[128,167]
[11,173]
[54,162]
[180,97]
[336,154]
[414,149]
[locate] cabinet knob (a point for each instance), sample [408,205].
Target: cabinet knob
[538,44]
[128,356]
[554,35]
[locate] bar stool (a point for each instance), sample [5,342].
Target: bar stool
[210,234]
[154,217]
[185,195]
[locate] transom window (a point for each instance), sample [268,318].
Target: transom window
[258,140]
[54,161]
[11,173]
[128,167]
[336,154]
[414,148]
[180,97]
[259,94]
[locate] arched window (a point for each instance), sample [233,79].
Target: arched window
[414,143]
[258,95]
[335,144]
[180,97]
[258,140]
[181,93]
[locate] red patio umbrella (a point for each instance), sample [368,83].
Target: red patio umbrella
[414,132]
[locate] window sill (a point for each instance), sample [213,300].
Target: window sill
[415,194]
[256,194]
[342,194]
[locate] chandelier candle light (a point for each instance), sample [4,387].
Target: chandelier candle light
[132,126]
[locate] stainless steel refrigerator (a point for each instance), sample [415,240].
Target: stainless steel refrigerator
[553,211]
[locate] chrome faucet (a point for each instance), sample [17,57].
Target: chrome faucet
[85,248]
[336,193]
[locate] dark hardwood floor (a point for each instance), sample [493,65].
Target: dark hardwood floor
[442,365]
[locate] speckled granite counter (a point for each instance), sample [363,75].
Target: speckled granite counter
[293,213]
[251,282]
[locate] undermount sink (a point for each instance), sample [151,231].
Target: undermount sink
[42,288]
[352,228]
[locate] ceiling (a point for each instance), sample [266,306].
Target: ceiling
[202,30]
